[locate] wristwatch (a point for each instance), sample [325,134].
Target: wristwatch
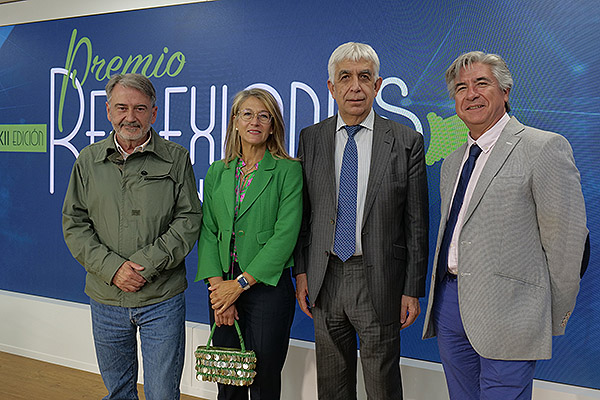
[243,282]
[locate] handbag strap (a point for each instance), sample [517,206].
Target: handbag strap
[237,328]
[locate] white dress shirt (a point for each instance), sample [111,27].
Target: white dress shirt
[486,143]
[138,149]
[364,145]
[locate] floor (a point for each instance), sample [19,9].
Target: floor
[24,378]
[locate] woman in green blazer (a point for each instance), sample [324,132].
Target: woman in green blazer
[252,213]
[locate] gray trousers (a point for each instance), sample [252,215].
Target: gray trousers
[343,311]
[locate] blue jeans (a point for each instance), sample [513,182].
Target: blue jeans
[162,336]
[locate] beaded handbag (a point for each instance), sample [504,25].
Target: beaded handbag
[224,365]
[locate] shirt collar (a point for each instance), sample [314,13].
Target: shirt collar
[138,149]
[489,138]
[366,123]
[157,145]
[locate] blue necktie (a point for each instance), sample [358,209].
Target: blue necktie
[345,226]
[457,202]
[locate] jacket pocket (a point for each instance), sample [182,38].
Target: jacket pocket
[263,236]
[399,252]
[158,177]
[155,170]
[518,279]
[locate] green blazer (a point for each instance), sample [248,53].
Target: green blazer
[266,226]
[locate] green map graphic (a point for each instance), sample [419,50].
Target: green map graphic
[447,135]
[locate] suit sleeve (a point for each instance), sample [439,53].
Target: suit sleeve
[416,221]
[208,245]
[562,224]
[304,235]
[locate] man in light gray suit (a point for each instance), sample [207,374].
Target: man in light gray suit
[361,259]
[510,242]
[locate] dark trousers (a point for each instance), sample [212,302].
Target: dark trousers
[343,310]
[266,314]
[468,375]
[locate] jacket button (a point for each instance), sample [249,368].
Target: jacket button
[240,233]
[144,173]
[332,221]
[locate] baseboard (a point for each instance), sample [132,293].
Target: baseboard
[60,332]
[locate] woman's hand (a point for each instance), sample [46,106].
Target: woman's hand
[224,294]
[226,317]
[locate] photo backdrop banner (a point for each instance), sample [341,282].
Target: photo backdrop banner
[52,104]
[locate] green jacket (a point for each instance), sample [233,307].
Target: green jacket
[267,224]
[145,210]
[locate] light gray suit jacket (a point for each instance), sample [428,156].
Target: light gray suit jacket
[521,244]
[395,222]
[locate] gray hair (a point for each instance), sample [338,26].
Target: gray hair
[352,51]
[134,81]
[496,63]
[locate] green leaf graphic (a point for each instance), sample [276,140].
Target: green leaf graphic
[447,135]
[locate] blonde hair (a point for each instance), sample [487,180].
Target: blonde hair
[275,141]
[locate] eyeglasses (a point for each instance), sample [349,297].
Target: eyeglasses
[248,115]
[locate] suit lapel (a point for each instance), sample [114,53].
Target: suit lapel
[380,155]
[228,191]
[259,183]
[327,148]
[447,187]
[506,143]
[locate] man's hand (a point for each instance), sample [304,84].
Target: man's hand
[409,311]
[302,294]
[128,278]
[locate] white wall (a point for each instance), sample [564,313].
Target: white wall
[42,10]
[60,332]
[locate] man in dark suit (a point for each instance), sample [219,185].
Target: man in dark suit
[361,259]
[510,243]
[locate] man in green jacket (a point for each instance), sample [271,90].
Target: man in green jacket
[131,215]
